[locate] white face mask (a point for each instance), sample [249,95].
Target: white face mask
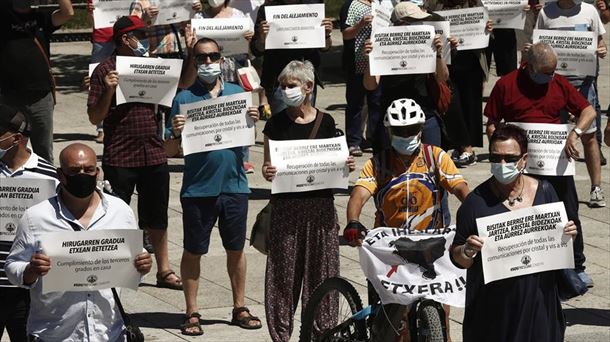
[208,73]
[505,173]
[293,97]
[216,3]
[405,146]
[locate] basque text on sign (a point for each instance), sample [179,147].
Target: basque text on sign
[506,14]
[468,27]
[442,28]
[399,50]
[525,241]
[576,50]
[295,27]
[147,80]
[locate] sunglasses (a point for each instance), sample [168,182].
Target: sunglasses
[509,158]
[203,57]
[406,131]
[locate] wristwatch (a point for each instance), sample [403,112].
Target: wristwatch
[577,131]
[466,256]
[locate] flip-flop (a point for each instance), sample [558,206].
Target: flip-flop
[162,281]
[188,325]
[244,322]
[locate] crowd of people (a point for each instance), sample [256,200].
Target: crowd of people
[409,123]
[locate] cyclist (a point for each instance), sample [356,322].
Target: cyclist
[406,182]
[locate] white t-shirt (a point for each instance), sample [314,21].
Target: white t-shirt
[583,17]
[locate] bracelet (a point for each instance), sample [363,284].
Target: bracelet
[465,256]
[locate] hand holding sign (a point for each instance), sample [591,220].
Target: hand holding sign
[143,263]
[39,266]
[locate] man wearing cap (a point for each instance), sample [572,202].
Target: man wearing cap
[16,161]
[134,157]
[25,76]
[78,206]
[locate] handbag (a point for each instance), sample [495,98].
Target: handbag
[132,332]
[261,230]
[248,78]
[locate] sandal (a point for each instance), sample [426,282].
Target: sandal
[245,321]
[162,281]
[184,328]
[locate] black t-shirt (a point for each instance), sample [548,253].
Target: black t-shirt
[349,54]
[281,127]
[24,72]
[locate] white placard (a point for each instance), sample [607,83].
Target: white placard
[217,124]
[16,196]
[147,80]
[249,7]
[172,11]
[575,50]
[382,14]
[404,268]
[106,13]
[229,33]
[443,29]
[507,14]
[525,241]
[545,149]
[468,27]
[92,67]
[91,260]
[295,27]
[399,50]
[311,164]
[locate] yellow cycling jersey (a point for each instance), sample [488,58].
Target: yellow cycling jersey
[409,198]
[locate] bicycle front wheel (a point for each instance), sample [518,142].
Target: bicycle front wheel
[430,327]
[328,315]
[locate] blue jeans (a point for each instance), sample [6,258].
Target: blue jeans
[355,93]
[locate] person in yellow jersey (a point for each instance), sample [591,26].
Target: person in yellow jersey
[407,183]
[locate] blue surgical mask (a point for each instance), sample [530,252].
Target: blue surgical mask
[540,78]
[142,48]
[208,73]
[293,97]
[3,151]
[405,146]
[505,173]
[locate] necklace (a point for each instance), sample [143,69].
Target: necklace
[519,197]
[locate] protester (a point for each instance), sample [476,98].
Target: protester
[303,248]
[78,205]
[512,309]
[468,71]
[275,60]
[574,15]
[25,71]
[133,150]
[535,94]
[410,168]
[17,161]
[358,28]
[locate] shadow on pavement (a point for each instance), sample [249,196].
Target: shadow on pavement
[165,320]
[69,70]
[63,137]
[596,317]
[259,194]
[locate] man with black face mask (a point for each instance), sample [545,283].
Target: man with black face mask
[25,76]
[78,206]
[16,161]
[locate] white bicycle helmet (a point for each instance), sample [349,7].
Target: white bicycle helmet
[403,112]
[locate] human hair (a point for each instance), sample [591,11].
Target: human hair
[506,132]
[541,54]
[302,71]
[205,40]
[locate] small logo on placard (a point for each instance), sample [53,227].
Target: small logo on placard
[141,93]
[525,260]
[498,21]
[295,39]
[310,179]
[91,279]
[174,14]
[403,63]
[217,138]
[564,65]
[461,41]
[10,227]
[540,164]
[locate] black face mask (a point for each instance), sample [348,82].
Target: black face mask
[80,185]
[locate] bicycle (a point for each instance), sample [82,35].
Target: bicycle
[369,324]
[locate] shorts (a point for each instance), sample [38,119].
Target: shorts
[199,215]
[152,184]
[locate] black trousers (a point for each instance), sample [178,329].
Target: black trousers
[503,46]
[14,308]
[566,192]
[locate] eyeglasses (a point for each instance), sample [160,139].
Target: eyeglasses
[509,158]
[203,57]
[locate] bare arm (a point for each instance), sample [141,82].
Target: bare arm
[490,129]
[369,81]
[188,74]
[461,191]
[63,14]
[357,199]
[99,111]
[352,31]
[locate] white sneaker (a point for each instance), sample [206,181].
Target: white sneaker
[597,198]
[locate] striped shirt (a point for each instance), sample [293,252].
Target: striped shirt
[35,167]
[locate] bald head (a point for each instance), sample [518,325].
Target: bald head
[77,157]
[542,58]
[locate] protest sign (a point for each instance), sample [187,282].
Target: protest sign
[442,28]
[217,124]
[545,149]
[107,12]
[399,50]
[312,164]
[468,26]
[404,268]
[382,12]
[91,260]
[172,11]
[147,80]
[576,50]
[16,196]
[92,67]
[227,32]
[525,241]
[508,14]
[249,7]
[295,27]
